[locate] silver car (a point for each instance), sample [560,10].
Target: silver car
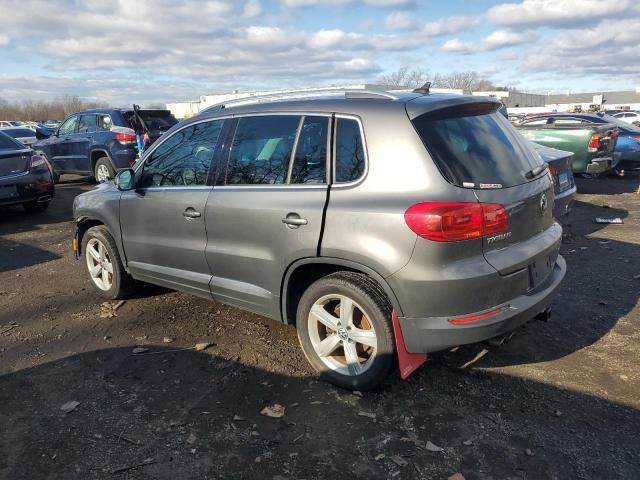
[378,225]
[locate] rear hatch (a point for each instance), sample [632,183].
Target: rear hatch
[156,121]
[14,157]
[476,148]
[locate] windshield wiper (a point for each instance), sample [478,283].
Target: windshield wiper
[534,172]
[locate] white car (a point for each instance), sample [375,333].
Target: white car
[629,117]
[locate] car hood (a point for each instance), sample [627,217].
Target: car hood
[91,203]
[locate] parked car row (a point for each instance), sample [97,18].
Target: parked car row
[600,141]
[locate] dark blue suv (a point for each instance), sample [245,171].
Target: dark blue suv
[99,142]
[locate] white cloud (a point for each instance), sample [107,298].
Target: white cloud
[449,25]
[494,41]
[557,12]
[400,21]
[333,3]
[252,8]
[4,40]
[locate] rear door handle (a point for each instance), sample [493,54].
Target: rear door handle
[294,221]
[190,213]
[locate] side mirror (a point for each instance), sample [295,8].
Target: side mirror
[125,179]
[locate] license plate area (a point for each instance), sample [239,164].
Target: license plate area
[563,181]
[541,268]
[7,192]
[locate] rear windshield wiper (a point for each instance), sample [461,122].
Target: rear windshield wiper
[534,172]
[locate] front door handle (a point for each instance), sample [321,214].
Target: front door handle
[293,220]
[190,213]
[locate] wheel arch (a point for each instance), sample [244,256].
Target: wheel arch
[98,153]
[302,273]
[84,223]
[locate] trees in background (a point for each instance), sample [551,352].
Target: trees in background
[468,80]
[36,110]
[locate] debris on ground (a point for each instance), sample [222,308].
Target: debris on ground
[379,457]
[528,452]
[191,439]
[398,460]
[144,463]
[480,354]
[616,220]
[140,350]
[274,411]
[119,304]
[367,414]
[202,346]
[456,476]
[167,340]
[69,406]
[432,447]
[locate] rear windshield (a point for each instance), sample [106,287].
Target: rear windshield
[19,132]
[476,147]
[157,121]
[8,143]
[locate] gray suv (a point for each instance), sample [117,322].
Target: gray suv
[337,214]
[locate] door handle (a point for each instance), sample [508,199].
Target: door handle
[294,221]
[190,213]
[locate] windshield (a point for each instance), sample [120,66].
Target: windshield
[477,151]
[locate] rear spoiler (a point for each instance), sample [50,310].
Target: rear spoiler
[432,103]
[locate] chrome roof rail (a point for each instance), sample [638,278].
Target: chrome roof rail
[301,95]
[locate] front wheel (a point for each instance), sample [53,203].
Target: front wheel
[344,327]
[108,276]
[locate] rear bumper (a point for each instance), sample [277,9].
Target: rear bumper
[562,202]
[424,335]
[601,165]
[36,186]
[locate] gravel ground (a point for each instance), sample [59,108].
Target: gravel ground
[560,400]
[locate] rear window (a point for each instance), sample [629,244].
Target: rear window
[476,147]
[8,143]
[157,121]
[19,132]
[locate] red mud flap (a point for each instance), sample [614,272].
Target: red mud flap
[408,362]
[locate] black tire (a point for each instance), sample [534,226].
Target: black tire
[122,283]
[106,163]
[35,207]
[369,295]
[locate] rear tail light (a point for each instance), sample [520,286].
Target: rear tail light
[478,317]
[594,143]
[553,170]
[456,221]
[124,135]
[37,161]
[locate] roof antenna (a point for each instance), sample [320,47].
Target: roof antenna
[424,89]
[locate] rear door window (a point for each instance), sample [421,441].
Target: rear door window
[104,123]
[350,161]
[261,150]
[476,147]
[310,160]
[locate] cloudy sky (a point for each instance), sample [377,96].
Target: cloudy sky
[149,51]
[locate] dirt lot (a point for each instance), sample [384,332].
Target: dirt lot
[560,400]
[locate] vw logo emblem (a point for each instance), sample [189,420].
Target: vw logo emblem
[543,203]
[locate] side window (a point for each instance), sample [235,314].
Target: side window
[184,158]
[87,124]
[69,126]
[310,160]
[349,151]
[104,123]
[261,150]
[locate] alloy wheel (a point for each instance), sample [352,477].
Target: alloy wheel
[342,334]
[99,264]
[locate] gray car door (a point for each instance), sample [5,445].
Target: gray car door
[266,210]
[162,219]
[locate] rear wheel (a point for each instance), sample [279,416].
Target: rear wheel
[103,171]
[105,268]
[344,328]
